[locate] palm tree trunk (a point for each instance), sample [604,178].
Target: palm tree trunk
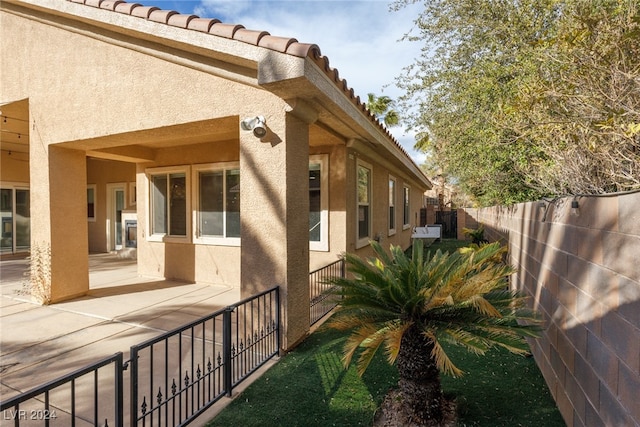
[419,380]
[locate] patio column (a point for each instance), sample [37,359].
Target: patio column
[274,206]
[59,236]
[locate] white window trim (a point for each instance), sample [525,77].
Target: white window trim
[392,230]
[163,237]
[323,244]
[10,185]
[406,208]
[95,202]
[209,240]
[132,194]
[362,242]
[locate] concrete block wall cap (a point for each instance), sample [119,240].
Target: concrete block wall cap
[126,8]
[225,30]
[161,16]
[202,24]
[249,36]
[143,11]
[110,4]
[181,20]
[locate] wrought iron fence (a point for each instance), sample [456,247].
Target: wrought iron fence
[57,402]
[178,375]
[322,298]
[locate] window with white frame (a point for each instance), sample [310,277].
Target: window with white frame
[392,205]
[168,203]
[406,217]
[318,203]
[15,215]
[217,213]
[363,213]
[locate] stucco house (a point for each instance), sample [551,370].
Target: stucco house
[216,153]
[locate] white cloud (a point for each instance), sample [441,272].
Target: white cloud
[360,38]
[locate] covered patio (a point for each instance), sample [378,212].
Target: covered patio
[121,309]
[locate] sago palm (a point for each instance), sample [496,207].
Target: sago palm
[412,305]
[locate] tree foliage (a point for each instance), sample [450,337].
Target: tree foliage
[383,108]
[528,98]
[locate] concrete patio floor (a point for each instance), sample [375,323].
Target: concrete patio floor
[41,343]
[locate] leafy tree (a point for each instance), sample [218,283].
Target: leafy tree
[524,99]
[411,305]
[383,108]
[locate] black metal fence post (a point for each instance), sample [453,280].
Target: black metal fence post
[119,391]
[133,398]
[227,371]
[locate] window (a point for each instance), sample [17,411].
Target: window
[392,205]
[168,203]
[318,203]
[91,202]
[15,214]
[218,204]
[406,217]
[364,203]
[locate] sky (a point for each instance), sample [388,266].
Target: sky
[361,38]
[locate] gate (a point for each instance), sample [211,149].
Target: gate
[449,222]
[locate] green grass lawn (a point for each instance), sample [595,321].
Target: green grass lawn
[310,387]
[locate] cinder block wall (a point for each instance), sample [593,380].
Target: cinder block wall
[582,270]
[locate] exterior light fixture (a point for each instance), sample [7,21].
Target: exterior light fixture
[256,124]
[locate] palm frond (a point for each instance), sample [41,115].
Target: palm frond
[444,364]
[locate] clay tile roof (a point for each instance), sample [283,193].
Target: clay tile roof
[225,30]
[143,11]
[125,7]
[110,4]
[161,16]
[180,20]
[202,24]
[215,27]
[249,36]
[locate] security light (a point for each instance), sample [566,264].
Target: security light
[256,124]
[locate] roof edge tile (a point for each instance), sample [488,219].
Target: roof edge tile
[249,36]
[202,24]
[143,11]
[225,30]
[126,8]
[110,4]
[302,50]
[161,16]
[181,20]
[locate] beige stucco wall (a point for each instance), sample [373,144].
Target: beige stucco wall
[381,171]
[105,85]
[113,93]
[581,273]
[15,167]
